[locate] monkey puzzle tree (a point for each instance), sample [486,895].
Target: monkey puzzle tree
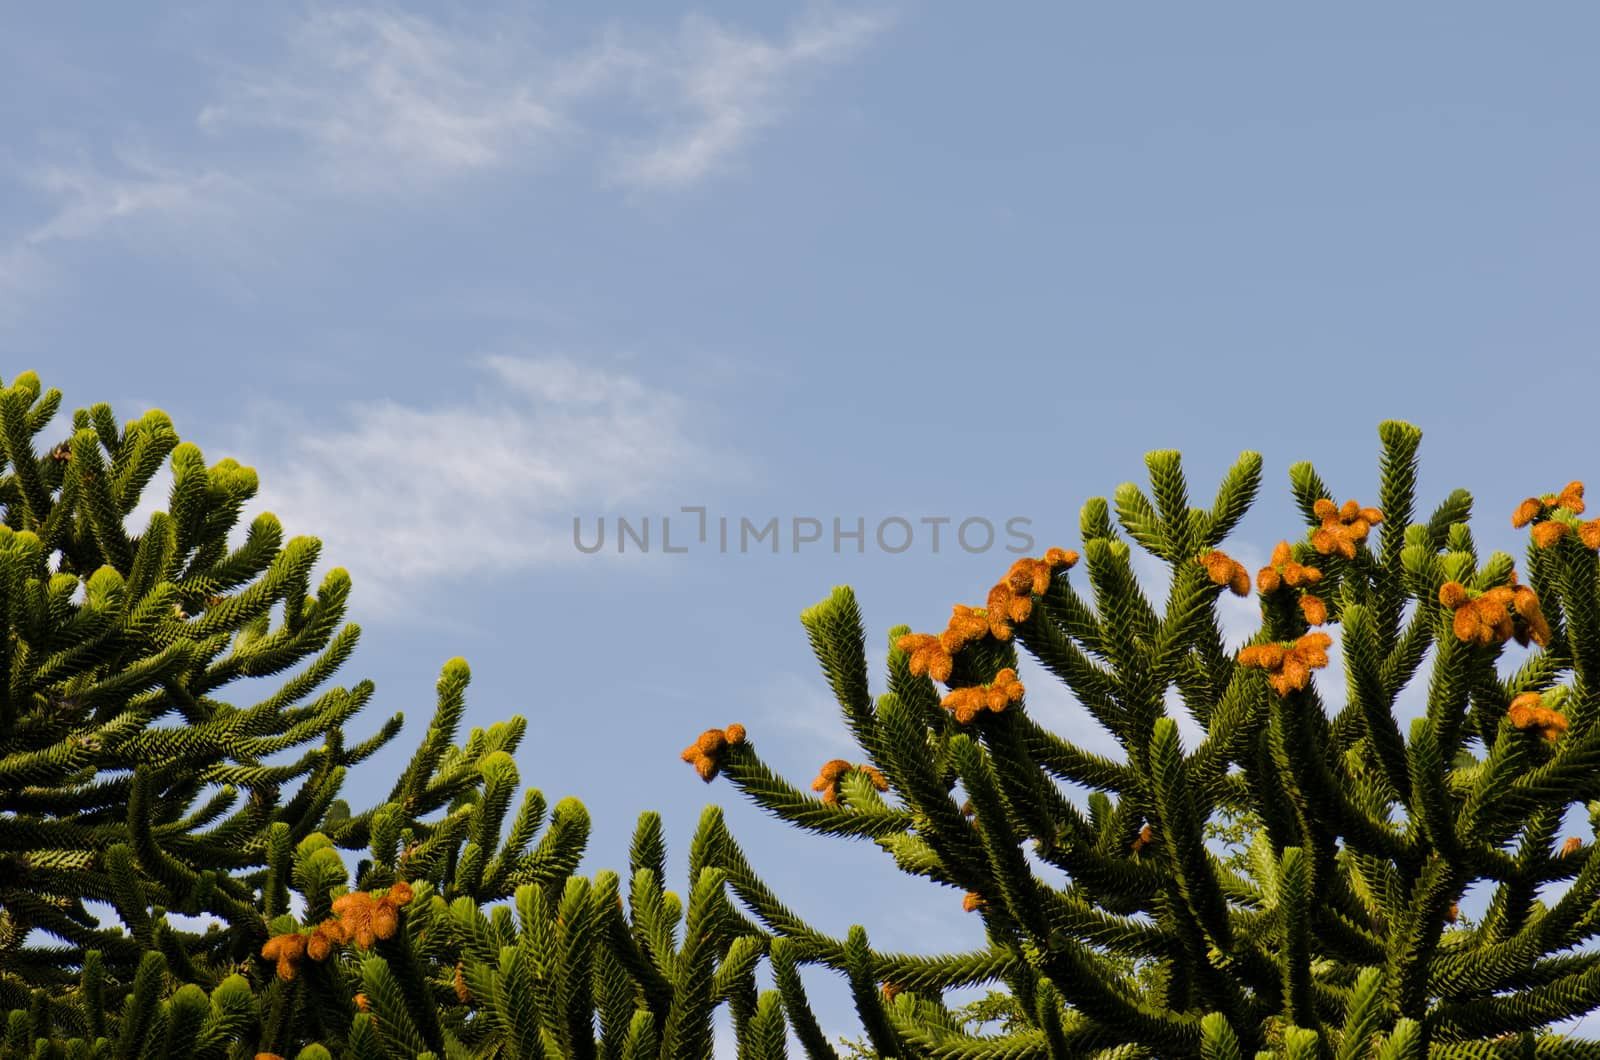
[105,634]
[124,780]
[1341,937]
[1337,935]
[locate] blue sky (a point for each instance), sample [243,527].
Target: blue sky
[448,280]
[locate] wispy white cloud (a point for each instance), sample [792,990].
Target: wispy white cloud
[724,86]
[132,200]
[89,200]
[377,106]
[406,494]
[385,96]
[386,100]
[131,194]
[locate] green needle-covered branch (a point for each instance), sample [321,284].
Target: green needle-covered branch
[459,931]
[1336,930]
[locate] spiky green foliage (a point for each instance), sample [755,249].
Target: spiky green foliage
[1288,887]
[123,779]
[569,970]
[1335,933]
[462,930]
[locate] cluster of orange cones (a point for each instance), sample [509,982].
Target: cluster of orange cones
[706,752]
[1528,713]
[834,770]
[1547,530]
[1496,615]
[1010,601]
[359,917]
[1490,616]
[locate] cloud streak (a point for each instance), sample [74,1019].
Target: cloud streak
[383,98]
[388,101]
[726,86]
[131,197]
[378,107]
[219,227]
[401,495]
[91,200]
